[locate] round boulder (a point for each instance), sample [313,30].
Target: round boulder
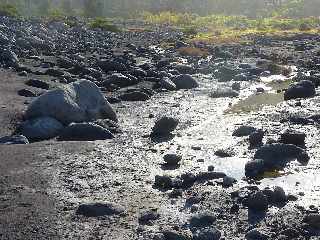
[80,101]
[40,128]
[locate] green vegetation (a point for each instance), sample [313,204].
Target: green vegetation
[8,10]
[104,24]
[224,29]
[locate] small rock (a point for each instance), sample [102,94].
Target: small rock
[224,153]
[207,234]
[164,126]
[17,139]
[258,201]
[255,168]
[84,132]
[293,137]
[202,220]
[255,138]
[99,209]
[172,159]
[163,182]
[26,93]
[243,131]
[228,181]
[313,220]
[38,84]
[256,234]
[185,81]
[148,216]
[134,96]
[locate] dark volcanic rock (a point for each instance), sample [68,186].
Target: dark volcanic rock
[38,84]
[163,182]
[164,126]
[184,81]
[84,132]
[17,139]
[99,209]
[109,65]
[224,93]
[202,220]
[278,154]
[210,233]
[256,234]
[303,89]
[134,96]
[257,201]
[243,131]
[26,93]
[255,168]
[148,216]
[40,128]
[172,159]
[293,137]
[255,138]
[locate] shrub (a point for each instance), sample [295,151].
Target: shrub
[8,10]
[103,24]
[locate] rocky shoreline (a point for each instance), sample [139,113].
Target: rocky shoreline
[114,136]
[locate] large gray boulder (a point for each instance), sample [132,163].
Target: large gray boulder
[40,128]
[80,101]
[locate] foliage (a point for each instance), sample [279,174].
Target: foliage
[8,10]
[104,24]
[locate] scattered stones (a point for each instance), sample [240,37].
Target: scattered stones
[84,132]
[303,89]
[80,101]
[164,126]
[16,139]
[40,128]
[99,209]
